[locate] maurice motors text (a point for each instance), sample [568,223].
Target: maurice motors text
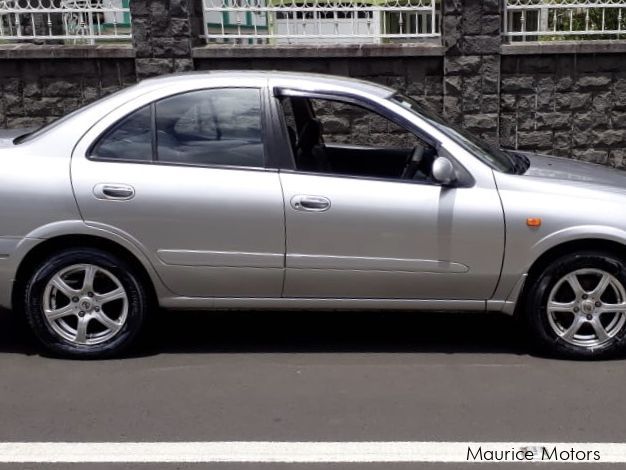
[539,454]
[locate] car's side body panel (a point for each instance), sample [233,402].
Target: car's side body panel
[229,221]
[388,239]
[61,229]
[35,191]
[212,263]
[567,212]
[34,186]
[210,231]
[284,303]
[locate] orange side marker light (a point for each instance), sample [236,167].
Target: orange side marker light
[533,222]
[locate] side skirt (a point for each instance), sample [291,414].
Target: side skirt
[196,303]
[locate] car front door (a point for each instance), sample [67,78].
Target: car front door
[380,238]
[184,177]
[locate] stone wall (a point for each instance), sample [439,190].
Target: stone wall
[569,105]
[162,36]
[37,91]
[562,98]
[350,124]
[472,38]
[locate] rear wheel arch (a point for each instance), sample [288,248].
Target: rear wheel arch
[59,243]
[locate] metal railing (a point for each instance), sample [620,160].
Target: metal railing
[73,21]
[319,21]
[546,20]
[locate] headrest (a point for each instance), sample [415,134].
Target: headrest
[418,153]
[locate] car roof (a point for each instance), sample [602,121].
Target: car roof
[300,80]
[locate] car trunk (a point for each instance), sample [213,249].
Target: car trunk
[7,136]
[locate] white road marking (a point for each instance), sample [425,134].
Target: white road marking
[302,452]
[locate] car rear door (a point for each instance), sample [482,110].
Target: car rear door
[185,178]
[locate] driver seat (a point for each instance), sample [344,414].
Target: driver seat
[310,154]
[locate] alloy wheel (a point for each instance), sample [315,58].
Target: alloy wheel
[587,307]
[85,304]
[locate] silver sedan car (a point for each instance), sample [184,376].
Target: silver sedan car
[271,190]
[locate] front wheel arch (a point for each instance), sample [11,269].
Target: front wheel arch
[574,309]
[546,258]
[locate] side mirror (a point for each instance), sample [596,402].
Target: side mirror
[443,171]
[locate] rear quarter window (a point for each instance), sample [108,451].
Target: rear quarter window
[129,139]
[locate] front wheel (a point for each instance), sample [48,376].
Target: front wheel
[85,303]
[577,306]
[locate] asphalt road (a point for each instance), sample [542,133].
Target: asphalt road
[293,376]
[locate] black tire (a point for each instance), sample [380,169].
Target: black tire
[136,307]
[538,294]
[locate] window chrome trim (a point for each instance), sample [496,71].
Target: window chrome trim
[191,165]
[365,178]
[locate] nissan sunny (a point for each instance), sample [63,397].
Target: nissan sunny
[272,190]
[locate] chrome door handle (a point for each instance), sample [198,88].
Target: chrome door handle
[118,192]
[310,203]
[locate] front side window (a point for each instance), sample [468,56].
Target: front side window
[210,127]
[493,156]
[334,137]
[206,127]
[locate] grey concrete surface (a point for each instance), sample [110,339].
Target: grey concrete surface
[298,376]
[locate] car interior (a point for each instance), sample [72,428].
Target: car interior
[206,128]
[353,152]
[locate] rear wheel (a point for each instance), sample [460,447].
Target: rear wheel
[85,303]
[577,306]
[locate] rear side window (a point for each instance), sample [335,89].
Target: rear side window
[206,127]
[211,127]
[129,139]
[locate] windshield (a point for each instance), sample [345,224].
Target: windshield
[493,156]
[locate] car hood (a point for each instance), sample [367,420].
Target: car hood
[566,169]
[8,135]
